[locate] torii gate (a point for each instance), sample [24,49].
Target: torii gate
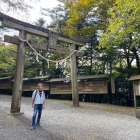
[24,29]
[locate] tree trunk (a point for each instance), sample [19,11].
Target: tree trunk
[128,63]
[110,83]
[75,95]
[17,89]
[137,59]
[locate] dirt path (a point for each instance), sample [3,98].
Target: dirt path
[60,121]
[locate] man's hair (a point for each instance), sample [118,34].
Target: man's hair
[40,83]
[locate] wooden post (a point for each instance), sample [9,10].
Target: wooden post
[17,89]
[134,92]
[75,95]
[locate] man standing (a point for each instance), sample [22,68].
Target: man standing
[38,103]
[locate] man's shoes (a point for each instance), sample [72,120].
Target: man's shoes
[33,128]
[38,125]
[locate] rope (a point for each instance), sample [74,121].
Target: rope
[48,60]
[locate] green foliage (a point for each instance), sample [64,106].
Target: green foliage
[85,17]
[119,21]
[76,17]
[7,60]
[123,31]
[124,20]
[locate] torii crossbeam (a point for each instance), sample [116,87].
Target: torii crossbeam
[24,29]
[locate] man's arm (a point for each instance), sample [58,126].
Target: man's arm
[33,98]
[44,102]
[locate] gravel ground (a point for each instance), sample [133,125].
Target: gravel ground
[60,121]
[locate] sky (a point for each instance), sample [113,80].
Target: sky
[31,16]
[35,12]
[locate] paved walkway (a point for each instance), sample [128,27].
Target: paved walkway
[60,121]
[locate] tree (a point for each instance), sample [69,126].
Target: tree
[7,60]
[123,30]
[86,18]
[14,4]
[58,16]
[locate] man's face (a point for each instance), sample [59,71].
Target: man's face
[40,86]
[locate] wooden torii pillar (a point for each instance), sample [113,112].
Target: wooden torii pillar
[18,82]
[75,95]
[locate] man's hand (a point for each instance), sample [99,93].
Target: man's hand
[44,106]
[32,105]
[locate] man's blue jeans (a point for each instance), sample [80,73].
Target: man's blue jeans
[37,115]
